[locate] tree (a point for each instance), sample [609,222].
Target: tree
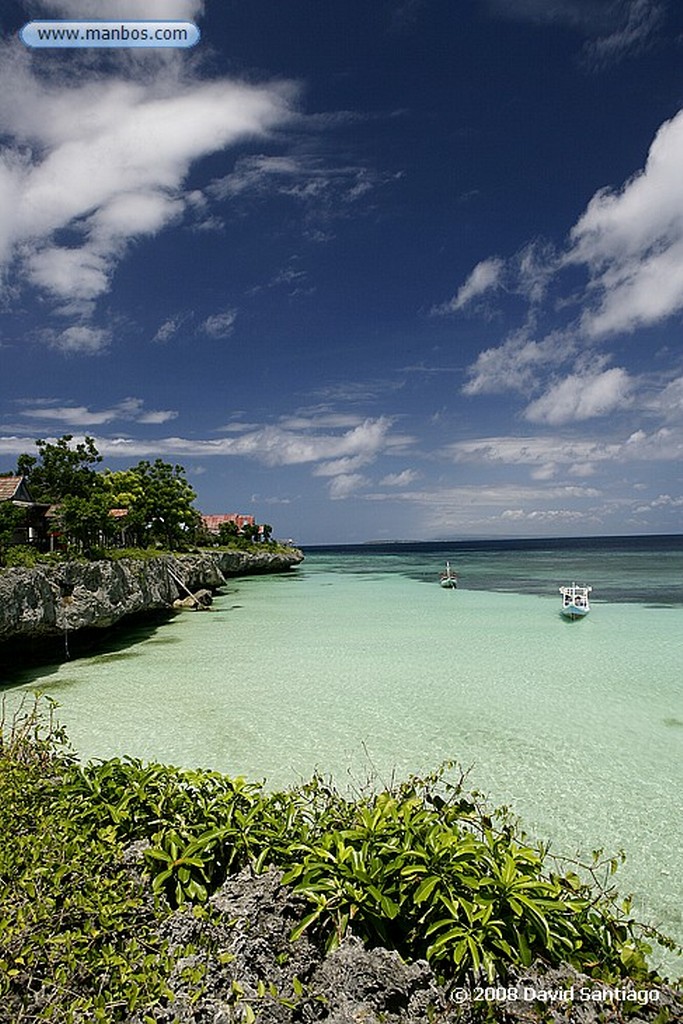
[159,501]
[61,469]
[126,490]
[11,519]
[250,532]
[228,532]
[87,521]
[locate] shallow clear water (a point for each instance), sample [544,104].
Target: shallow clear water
[359,663]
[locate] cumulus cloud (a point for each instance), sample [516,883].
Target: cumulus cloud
[94,162]
[631,241]
[581,397]
[485,277]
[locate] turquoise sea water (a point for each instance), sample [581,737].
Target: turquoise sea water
[358,663]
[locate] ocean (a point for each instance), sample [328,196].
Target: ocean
[359,666]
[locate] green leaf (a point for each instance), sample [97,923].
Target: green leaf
[298,931]
[426,888]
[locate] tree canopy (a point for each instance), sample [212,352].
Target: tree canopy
[61,469]
[156,496]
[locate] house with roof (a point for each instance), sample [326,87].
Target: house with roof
[34,528]
[213,523]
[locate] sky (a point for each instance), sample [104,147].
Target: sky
[400,269]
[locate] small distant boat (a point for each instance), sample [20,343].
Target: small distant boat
[575,603]
[448,578]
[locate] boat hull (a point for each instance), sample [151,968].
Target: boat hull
[573,613]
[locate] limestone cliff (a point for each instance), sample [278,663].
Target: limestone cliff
[50,600]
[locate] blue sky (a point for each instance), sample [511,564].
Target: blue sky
[399,269]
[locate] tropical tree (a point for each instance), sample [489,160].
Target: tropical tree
[61,468]
[87,521]
[159,501]
[127,491]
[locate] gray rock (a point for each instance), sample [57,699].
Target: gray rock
[49,601]
[244,952]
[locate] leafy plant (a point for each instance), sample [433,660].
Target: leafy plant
[423,867]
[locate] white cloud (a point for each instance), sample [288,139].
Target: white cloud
[158,416]
[664,445]
[329,189]
[640,20]
[516,364]
[548,515]
[631,242]
[176,10]
[669,402]
[70,273]
[344,466]
[270,444]
[661,501]
[106,158]
[132,409]
[346,485]
[403,479]
[220,325]
[79,340]
[485,277]
[168,329]
[581,397]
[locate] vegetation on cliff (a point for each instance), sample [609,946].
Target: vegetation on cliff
[422,867]
[91,512]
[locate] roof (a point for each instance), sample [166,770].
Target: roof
[13,487]
[214,523]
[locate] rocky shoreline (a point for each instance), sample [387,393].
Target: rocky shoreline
[42,605]
[245,959]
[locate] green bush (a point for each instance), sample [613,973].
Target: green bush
[24,556]
[78,932]
[21,556]
[423,867]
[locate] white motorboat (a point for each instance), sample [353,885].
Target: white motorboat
[448,578]
[575,604]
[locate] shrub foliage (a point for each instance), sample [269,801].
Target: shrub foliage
[423,867]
